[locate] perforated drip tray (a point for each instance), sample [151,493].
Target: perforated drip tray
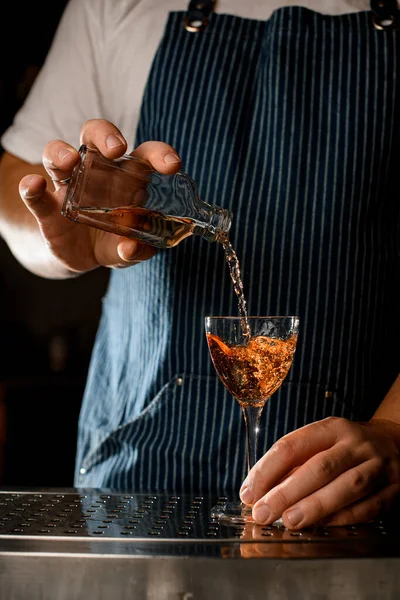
[177,523]
[90,544]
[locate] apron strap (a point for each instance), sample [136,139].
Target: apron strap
[386,14]
[197,14]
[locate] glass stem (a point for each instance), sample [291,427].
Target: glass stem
[252,416]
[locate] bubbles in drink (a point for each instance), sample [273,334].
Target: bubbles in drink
[252,372]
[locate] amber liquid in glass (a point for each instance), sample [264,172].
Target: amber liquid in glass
[254,371]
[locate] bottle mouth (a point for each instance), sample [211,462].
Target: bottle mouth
[219,226]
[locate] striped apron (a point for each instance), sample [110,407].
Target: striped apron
[292,125]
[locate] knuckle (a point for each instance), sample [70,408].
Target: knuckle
[359,480]
[278,499]
[326,467]
[283,447]
[256,479]
[332,420]
[339,424]
[317,507]
[369,448]
[334,423]
[381,464]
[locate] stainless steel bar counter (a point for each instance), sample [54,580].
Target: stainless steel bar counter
[60,544]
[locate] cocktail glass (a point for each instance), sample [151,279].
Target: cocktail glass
[252,357]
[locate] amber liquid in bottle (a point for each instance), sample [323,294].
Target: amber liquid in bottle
[124,221]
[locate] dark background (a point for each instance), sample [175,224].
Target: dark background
[47,327]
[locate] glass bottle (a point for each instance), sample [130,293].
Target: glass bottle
[128,197]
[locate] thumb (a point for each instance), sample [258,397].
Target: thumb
[113,251]
[41,203]
[132,251]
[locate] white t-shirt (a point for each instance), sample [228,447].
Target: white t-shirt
[99,61]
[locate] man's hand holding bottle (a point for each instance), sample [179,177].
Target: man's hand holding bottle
[78,249]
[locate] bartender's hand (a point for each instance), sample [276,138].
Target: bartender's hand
[334,471]
[78,247]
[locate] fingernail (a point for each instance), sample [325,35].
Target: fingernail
[261,513]
[29,180]
[113,141]
[246,495]
[25,189]
[171,158]
[295,516]
[25,193]
[63,153]
[133,254]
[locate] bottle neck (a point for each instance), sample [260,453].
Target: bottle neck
[218,225]
[212,222]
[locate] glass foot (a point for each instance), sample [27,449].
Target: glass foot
[236,514]
[232,513]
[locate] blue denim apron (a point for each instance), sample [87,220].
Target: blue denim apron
[293,125]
